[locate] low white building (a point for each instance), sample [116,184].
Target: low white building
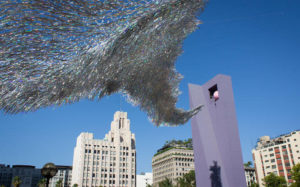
[64,174]
[107,162]
[250,176]
[144,179]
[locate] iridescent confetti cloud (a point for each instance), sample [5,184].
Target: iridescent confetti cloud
[54,52]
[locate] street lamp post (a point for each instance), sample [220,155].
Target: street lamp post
[49,170]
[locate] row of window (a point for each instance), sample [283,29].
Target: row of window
[104,181]
[106,152]
[103,146]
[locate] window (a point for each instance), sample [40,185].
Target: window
[271,154]
[284,152]
[271,149]
[213,92]
[273,166]
[273,160]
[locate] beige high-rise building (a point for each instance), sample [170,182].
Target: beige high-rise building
[172,162]
[107,162]
[277,155]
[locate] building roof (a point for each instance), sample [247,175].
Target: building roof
[63,167]
[265,141]
[23,166]
[186,144]
[249,168]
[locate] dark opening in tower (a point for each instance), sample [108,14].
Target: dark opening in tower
[213,92]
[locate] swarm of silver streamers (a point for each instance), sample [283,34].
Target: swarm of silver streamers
[54,52]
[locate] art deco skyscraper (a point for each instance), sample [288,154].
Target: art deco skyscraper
[107,162]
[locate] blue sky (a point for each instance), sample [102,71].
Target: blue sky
[256,42]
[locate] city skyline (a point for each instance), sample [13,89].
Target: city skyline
[256,43]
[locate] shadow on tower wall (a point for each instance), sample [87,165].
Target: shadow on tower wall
[215,175]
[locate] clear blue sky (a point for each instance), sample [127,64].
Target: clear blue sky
[256,42]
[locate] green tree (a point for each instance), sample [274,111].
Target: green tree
[42,182]
[187,180]
[180,182]
[248,164]
[2,185]
[254,185]
[165,183]
[148,185]
[59,183]
[17,181]
[76,185]
[295,172]
[273,180]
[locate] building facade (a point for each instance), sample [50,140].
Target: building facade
[250,176]
[29,175]
[172,162]
[64,174]
[144,179]
[107,162]
[277,155]
[5,175]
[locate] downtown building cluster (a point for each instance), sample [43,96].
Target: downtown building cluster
[30,175]
[176,158]
[111,162]
[107,162]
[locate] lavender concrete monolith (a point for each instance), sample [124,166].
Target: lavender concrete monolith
[216,142]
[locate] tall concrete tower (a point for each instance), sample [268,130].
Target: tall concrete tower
[107,162]
[217,149]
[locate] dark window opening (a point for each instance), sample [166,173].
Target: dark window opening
[213,92]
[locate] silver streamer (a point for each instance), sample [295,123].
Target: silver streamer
[54,52]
